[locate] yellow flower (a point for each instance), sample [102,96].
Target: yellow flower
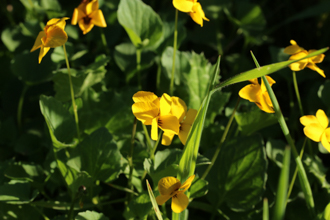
[258,94]
[297,52]
[192,7]
[151,110]
[170,187]
[87,15]
[316,128]
[52,36]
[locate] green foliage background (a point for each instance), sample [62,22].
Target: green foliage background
[45,171]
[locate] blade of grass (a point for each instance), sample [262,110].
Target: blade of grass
[262,71]
[282,188]
[187,162]
[301,170]
[153,202]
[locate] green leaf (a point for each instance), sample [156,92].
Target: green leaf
[17,192]
[262,71]
[182,64]
[15,212]
[60,122]
[90,76]
[240,177]
[327,212]
[92,156]
[91,215]
[198,188]
[142,24]
[139,207]
[24,171]
[254,120]
[26,67]
[125,57]
[316,167]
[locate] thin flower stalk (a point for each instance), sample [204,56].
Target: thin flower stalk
[174,52]
[223,138]
[296,89]
[301,170]
[20,106]
[130,160]
[74,106]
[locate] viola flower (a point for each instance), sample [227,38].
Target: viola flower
[151,110]
[192,7]
[316,128]
[258,94]
[52,36]
[297,52]
[87,15]
[170,187]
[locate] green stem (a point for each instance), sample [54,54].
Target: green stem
[152,154]
[20,106]
[175,41]
[159,71]
[130,161]
[104,41]
[71,211]
[146,133]
[301,170]
[296,89]
[265,214]
[138,66]
[295,84]
[223,138]
[74,106]
[295,173]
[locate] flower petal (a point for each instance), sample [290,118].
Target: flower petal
[297,66]
[143,96]
[168,185]
[312,66]
[154,129]
[77,16]
[38,42]
[42,53]
[179,202]
[198,14]
[98,18]
[161,199]
[308,119]
[178,108]
[250,92]
[183,5]
[325,141]
[165,104]
[322,118]
[186,125]
[293,49]
[314,131]
[167,138]
[85,27]
[56,36]
[145,111]
[187,184]
[169,123]
[317,59]
[265,104]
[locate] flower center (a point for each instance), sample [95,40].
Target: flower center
[87,20]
